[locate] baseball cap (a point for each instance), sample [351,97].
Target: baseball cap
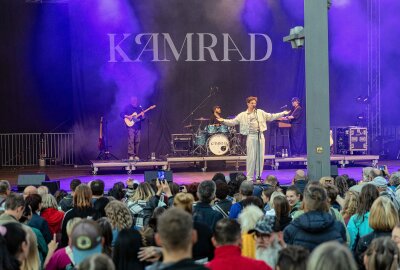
[264,225]
[379,181]
[86,240]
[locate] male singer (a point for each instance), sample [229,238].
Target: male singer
[253,124]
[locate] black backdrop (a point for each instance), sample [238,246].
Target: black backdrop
[56,75]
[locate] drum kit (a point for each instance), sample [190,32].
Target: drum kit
[215,140]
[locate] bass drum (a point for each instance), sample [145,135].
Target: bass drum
[218,144]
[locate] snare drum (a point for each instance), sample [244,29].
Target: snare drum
[212,129]
[200,138]
[218,144]
[223,129]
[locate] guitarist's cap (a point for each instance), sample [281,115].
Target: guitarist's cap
[295,99]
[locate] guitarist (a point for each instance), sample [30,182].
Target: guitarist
[134,131]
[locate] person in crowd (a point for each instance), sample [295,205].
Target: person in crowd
[203,249]
[292,258]
[99,207]
[358,225]
[331,256]
[5,190]
[138,202]
[119,216]
[271,181]
[61,258]
[351,182]
[275,194]
[82,207]
[14,208]
[248,219]
[333,193]
[97,262]
[245,190]
[227,241]
[316,225]
[192,189]
[51,213]
[38,222]
[66,202]
[86,240]
[396,235]
[202,211]
[222,204]
[118,191]
[365,174]
[59,195]
[14,245]
[176,236]
[293,196]
[350,205]
[32,260]
[126,248]
[381,184]
[41,242]
[282,210]
[382,254]
[341,184]
[267,242]
[42,190]
[218,177]
[300,180]
[29,190]
[174,188]
[107,234]
[97,187]
[326,180]
[382,220]
[394,182]
[266,197]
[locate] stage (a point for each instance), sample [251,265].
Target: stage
[187,170]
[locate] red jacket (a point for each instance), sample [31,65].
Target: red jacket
[54,218]
[229,257]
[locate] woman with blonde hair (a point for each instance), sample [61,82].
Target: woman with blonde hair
[32,260]
[331,256]
[119,216]
[382,219]
[203,249]
[82,207]
[137,203]
[350,205]
[51,213]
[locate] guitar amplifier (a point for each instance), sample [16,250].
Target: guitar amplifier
[181,144]
[351,139]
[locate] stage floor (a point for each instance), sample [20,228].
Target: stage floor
[182,175]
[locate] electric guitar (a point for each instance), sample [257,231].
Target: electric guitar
[135,117]
[101,144]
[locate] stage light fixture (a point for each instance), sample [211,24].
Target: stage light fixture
[296,37]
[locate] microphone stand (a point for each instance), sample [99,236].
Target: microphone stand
[212,92]
[258,155]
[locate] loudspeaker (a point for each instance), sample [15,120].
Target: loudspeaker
[32,179]
[334,171]
[53,186]
[150,175]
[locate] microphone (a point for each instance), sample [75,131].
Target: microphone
[284,107]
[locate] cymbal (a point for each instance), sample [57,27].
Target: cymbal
[189,126]
[202,119]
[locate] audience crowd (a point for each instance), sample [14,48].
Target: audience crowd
[330,223]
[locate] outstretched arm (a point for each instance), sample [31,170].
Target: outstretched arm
[274,116]
[230,122]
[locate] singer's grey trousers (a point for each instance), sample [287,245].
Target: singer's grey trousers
[255,155]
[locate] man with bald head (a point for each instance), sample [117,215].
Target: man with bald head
[29,190]
[300,180]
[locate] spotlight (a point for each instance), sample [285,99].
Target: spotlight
[361,116]
[362,99]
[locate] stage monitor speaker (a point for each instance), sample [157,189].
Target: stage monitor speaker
[53,186]
[161,174]
[32,179]
[334,171]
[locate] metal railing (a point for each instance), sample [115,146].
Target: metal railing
[25,149]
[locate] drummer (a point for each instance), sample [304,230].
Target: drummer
[216,113]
